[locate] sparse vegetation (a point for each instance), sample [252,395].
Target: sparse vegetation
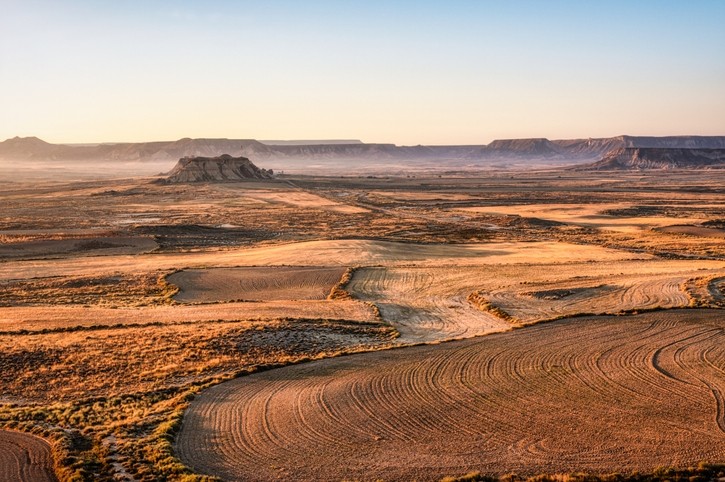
[478,300]
[704,472]
[141,403]
[121,290]
[100,359]
[338,292]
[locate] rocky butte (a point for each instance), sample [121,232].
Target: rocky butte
[215,169]
[660,158]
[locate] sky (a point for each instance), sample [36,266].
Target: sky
[405,72]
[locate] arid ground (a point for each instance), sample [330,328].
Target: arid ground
[602,394]
[25,457]
[171,332]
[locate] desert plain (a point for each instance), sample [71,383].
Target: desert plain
[504,324]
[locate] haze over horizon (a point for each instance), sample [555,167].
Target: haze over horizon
[410,73]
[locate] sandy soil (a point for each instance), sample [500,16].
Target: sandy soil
[89,321]
[426,304]
[24,458]
[694,231]
[107,245]
[255,283]
[422,290]
[432,303]
[302,199]
[56,317]
[652,385]
[325,253]
[586,215]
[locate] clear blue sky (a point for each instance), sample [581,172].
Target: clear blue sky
[407,72]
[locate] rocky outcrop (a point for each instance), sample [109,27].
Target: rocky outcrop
[287,155]
[215,169]
[524,147]
[625,158]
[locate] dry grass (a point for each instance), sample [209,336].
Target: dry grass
[110,291]
[478,300]
[339,291]
[702,473]
[102,362]
[133,383]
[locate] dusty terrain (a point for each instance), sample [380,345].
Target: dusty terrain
[41,159]
[25,457]
[123,300]
[255,284]
[493,404]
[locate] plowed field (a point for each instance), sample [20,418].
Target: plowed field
[598,394]
[432,303]
[255,283]
[24,458]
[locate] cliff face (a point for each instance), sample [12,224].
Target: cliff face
[215,169]
[509,152]
[660,158]
[524,147]
[675,142]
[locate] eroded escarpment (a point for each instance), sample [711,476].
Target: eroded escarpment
[215,169]
[25,458]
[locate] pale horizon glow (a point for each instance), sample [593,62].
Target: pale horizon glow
[405,72]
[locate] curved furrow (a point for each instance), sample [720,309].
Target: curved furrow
[584,394]
[312,431]
[710,370]
[359,399]
[575,298]
[25,458]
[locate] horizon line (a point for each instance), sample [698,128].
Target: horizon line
[353,140]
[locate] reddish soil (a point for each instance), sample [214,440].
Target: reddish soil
[25,458]
[597,394]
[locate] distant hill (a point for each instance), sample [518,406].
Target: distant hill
[310,142]
[525,147]
[215,169]
[344,155]
[625,158]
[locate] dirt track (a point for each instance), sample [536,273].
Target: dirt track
[24,458]
[598,394]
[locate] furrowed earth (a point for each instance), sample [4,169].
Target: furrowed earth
[551,322]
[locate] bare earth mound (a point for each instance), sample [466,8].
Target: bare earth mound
[598,394]
[210,169]
[255,283]
[24,458]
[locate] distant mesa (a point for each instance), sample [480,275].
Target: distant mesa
[311,142]
[353,154]
[524,147]
[224,168]
[627,158]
